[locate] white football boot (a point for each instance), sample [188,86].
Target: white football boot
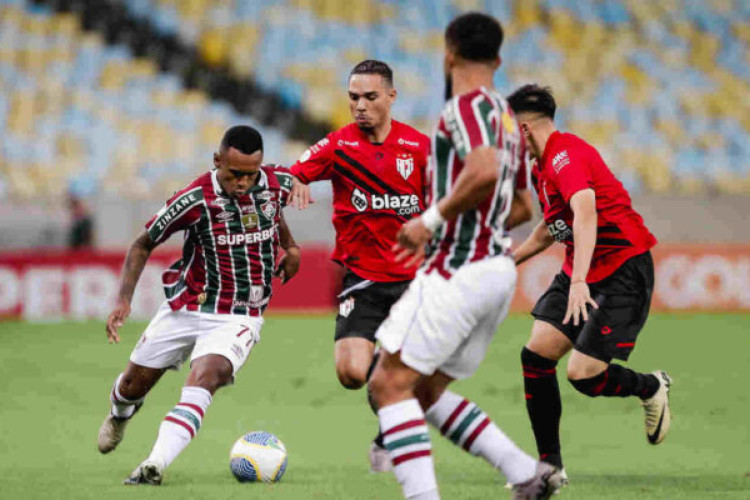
[149,472]
[380,461]
[113,430]
[656,408]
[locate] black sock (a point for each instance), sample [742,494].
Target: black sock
[618,381]
[543,404]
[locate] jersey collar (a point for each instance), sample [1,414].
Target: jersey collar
[261,184]
[548,147]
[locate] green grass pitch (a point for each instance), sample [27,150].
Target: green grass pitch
[55,379]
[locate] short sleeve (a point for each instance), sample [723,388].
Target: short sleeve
[284,176]
[316,163]
[179,212]
[571,172]
[470,121]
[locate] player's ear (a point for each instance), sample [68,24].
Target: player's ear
[392,94]
[217,159]
[497,62]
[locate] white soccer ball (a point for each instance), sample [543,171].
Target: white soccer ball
[258,456]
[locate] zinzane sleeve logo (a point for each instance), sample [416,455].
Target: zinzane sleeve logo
[173,216]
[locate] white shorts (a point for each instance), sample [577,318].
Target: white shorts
[447,325]
[173,335]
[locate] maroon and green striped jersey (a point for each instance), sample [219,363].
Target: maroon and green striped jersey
[469,121]
[230,246]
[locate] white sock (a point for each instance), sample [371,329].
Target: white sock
[468,426]
[180,425]
[122,407]
[407,440]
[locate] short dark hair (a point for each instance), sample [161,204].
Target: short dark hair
[532,98]
[243,138]
[475,36]
[373,67]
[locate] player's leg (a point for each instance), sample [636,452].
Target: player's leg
[363,306]
[405,433]
[611,333]
[354,357]
[127,395]
[466,425]
[542,393]
[222,347]
[164,344]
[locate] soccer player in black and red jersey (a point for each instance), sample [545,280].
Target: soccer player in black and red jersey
[377,169]
[599,302]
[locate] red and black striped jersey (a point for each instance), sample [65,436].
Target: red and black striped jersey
[469,121]
[568,165]
[230,246]
[376,188]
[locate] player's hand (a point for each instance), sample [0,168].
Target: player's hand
[288,264]
[410,242]
[578,297]
[116,319]
[300,196]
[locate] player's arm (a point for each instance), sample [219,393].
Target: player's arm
[583,205]
[315,164]
[289,262]
[520,208]
[474,184]
[537,242]
[135,261]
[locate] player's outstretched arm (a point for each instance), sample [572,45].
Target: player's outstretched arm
[538,241]
[135,261]
[289,263]
[474,184]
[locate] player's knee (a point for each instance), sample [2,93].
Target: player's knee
[212,377]
[428,394]
[350,375]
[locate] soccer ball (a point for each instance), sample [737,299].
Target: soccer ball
[258,456]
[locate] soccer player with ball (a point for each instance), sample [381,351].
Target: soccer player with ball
[216,294]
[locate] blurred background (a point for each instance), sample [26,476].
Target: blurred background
[108,106]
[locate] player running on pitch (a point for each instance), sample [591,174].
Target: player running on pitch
[377,169]
[441,327]
[216,293]
[599,302]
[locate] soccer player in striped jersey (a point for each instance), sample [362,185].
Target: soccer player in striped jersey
[216,293]
[441,327]
[599,302]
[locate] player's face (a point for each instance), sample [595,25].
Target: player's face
[237,172]
[370,101]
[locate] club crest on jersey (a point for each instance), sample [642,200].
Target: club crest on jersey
[225,216]
[219,202]
[359,200]
[250,221]
[268,209]
[256,293]
[405,165]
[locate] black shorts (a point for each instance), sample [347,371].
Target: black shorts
[364,305]
[624,299]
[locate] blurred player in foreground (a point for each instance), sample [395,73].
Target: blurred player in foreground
[599,302]
[441,327]
[216,293]
[377,169]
